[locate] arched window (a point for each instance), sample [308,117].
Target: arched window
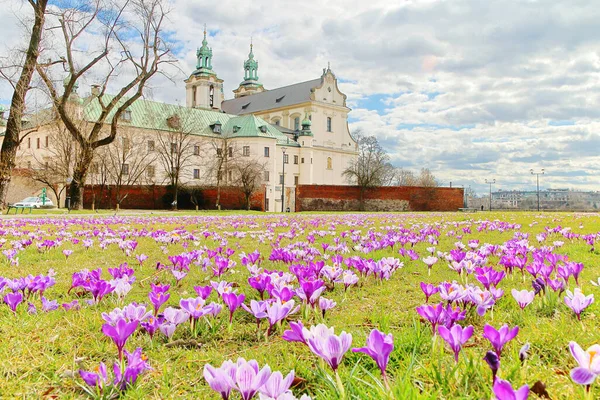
[297,123]
[211,96]
[329,163]
[328,124]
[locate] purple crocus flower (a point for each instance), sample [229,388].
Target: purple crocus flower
[193,306]
[326,304]
[277,386]
[578,302]
[222,379]
[260,283]
[120,332]
[498,338]
[158,298]
[48,305]
[429,290]
[379,347]
[67,253]
[503,390]
[99,289]
[589,363]
[249,378]
[150,325]
[203,291]
[277,311]
[456,337]
[73,305]
[493,361]
[233,301]
[435,314]
[309,291]
[295,333]
[13,300]
[136,365]
[95,379]
[523,297]
[328,346]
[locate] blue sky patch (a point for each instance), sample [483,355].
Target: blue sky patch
[565,122]
[374,102]
[410,127]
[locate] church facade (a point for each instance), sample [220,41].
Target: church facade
[297,134]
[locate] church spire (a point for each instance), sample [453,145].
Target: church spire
[251,66]
[204,58]
[250,84]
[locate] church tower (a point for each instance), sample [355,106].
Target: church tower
[203,88]
[250,84]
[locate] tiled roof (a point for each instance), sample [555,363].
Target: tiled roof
[275,98]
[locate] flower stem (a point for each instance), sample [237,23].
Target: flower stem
[340,386]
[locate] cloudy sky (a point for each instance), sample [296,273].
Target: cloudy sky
[471,89]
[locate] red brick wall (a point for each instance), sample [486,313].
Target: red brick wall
[389,198]
[158,197]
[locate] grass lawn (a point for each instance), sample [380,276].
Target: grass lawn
[41,353]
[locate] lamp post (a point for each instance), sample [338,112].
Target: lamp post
[537,174]
[490,182]
[283,149]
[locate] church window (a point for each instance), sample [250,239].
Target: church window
[211,95]
[296,179]
[28,143]
[125,170]
[47,141]
[329,163]
[38,143]
[296,123]
[150,171]
[151,145]
[286,158]
[302,161]
[246,151]
[267,151]
[194,96]
[266,177]
[126,116]
[196,174]
[295,159]
[219,152]
[230,152]
[328,124]
[278,122]
[196,150]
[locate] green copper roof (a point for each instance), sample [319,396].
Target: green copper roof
[146,114]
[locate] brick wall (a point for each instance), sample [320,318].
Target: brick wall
[159,197]
[390,198]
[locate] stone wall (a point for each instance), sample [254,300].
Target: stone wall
[389,198]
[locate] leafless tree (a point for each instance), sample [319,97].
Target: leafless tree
[177,151]
[126,164]
[132,43]
[55,166]
[24,70]
[405,177]
[247,175]
[427,179]
[221,160]
[371,167]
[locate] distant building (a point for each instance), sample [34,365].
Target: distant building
[550,199]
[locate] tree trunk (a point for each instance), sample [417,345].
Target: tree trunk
[175,193]
[79,175]
[248,201]
[361,203]
[218,204]
[17,106]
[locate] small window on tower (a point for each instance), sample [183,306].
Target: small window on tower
[328,124]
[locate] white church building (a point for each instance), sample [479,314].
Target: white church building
[302,128]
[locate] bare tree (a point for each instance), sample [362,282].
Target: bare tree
[427,179]
[177,150]
[117,54]
[220,163]
[405,177]
[127,164]
[12,135]
[247,175]
[371,167]
[56,165]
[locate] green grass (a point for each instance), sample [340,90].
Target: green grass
[40,354]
